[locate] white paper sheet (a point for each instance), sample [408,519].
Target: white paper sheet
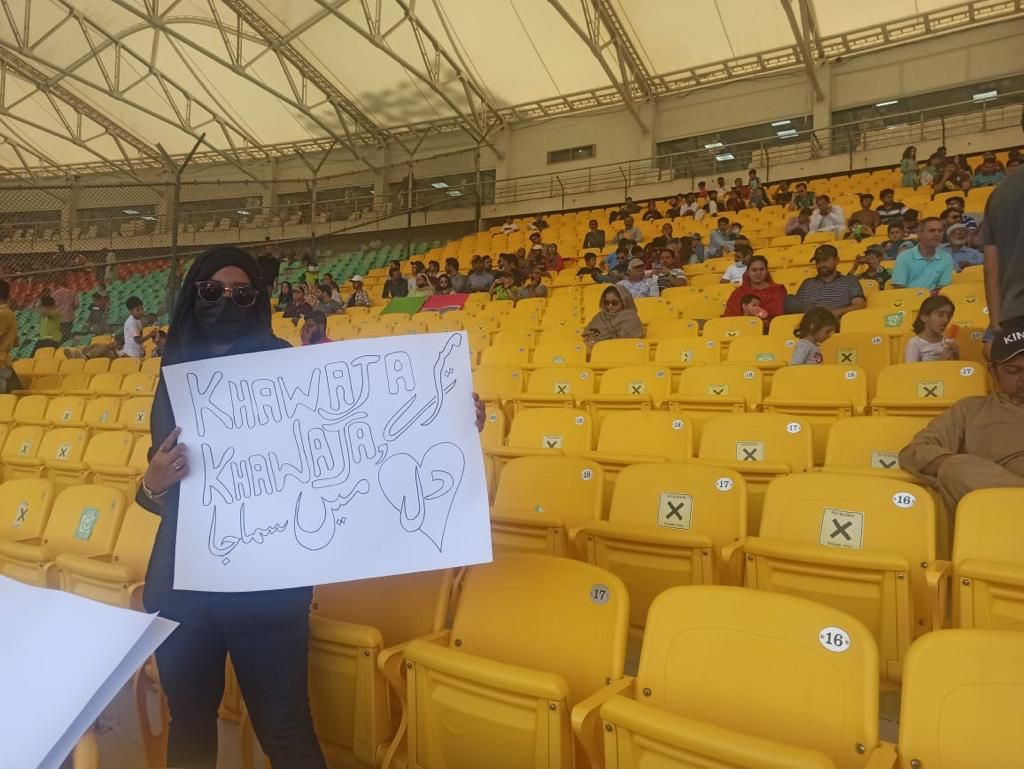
[328,463]
[62,660]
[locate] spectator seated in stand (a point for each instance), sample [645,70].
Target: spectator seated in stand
[721,239]
[816,327]
[757,282]
[890,211]
[629,231]
[871,261]
[896,242]
[864,222]
[734,272]
[837,293]
[667,271]
[422,287]
[359,297]
[594,237]
[989,173]
[924,265]
[637,282]
[956,246]
[284,296]
[314,329]
[509,226]
[799,223]
[590,267]
[617,318]
[298,307]
[49,334]
[930,341]
[328,305]
[803,198]
[479,278]
[782,195]
[827,217]
[652,212]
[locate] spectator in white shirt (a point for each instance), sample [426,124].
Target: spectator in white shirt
[827,217]
[134,337]
[720,186]
[509,226]
[735,271]
[637,283]
[629,232]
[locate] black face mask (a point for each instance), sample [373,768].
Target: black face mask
[223,320]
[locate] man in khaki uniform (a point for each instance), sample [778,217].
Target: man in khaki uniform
[978,443]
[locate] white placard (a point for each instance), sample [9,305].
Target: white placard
[63,658]
[328,463]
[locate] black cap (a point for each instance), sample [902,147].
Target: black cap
[1007,344]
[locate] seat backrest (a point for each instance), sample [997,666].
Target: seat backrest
[688,351]
[102,411]
[63,444]
[560,354]
[989,527]
[134,384]
[125,366]
[109,447]
[671,329]
[576,381]
[868,513]
[515,337]
[760,349]
[723,381]
[729,328]
[764,664]
[96,366]
[150,366]
[824,382]
[852,348]
[505,355]
[65,409]
[139,458]
[493,382]
[567,488]
[46,366]
[71,366]
[134,413]
[552,614]
[8,402]
[107,382]
[870,442]
[30,407]
[637,381]
[784,325]
[135,540]
[646,433]
[621,352]
[887,322]
[25,508]
[23,442]
[963,701]
[755,438]
[931,384]
[569,430]
[85,521]
[908,299]
[372,602]
[700,499]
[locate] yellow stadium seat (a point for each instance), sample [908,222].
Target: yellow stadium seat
[869,352]
[891,324]
[118,578]
[45,366]
[497,383]
[71,366]
[629,388]
[138,384]
[125,477]
[134,414]
[125,366]
[707,391]
[726,329]
[59,446]
[669,524]
[680,354]
[760,447]
[532,637]
[972,274]
[108,384]
[671,329]
[735,679]
[619,352]
[555,386]
[8,403]
[559,354]
[74,384]
[96,366]
[151,367]
[703,309]
[871,445]
[963,701]
[22,443]
[354,628]
[926,389]
[84,521]
[541,499]
[566,334]
[493,433]
[64,411]
[108,448]
[629,437]
[550,431]
[514,337]
[908,299]
[651,309]
[819,237]
[866,547]
[821,395]
[505,355]
[101,413]
[26,509]
[988,561]
[43,352]
[768,353]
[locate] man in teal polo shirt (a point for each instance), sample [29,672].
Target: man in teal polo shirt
[924,265]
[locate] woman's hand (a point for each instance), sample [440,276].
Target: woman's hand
[168,465]
[481,412]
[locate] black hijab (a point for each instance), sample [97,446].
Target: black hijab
[187,342]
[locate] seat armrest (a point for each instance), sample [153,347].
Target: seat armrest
[733,561]
[586,718]
[937,578]
[882,757]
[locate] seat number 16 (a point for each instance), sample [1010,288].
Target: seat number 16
[835,639]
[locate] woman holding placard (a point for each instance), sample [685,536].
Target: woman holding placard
[223,309]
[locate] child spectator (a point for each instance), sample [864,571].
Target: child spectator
[134,337]
[817,325]
[931,341]
[49,324]
[751,307]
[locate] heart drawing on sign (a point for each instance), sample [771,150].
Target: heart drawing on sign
[423,491]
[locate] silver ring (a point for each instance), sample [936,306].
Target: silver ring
[178,468]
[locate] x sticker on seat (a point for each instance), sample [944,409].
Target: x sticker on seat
[750,451]
[929,389]
[675,511]
[848,356]
[637,388]
[561,388]
[840,528]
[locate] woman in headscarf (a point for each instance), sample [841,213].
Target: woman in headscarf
[284,296]
[423,287]
[616,320]
[757,281]
[223,309]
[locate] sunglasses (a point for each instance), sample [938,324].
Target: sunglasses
[214,290]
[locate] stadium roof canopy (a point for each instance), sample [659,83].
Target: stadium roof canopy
[113,84]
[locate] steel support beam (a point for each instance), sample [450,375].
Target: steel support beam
[626,50]
[802,35]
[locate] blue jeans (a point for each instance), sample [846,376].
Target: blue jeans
[266,634]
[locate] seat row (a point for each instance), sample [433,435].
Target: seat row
[96,413]
[121,385]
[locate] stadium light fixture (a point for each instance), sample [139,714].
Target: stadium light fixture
[894,127]
[726,156]
[242,211]
[713,146]
[777,123]
[789,133]
[148,218]
[985,96]
[439,185]
[887,103]
[129,211]
[455,193]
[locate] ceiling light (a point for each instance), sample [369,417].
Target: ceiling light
[985,96]
[713,146]
[894,127]
[726,156]
[242,211]
[454,193]
[789,133]
[888,103]
[777,123]
[130,211]
[439,185]
[148,218]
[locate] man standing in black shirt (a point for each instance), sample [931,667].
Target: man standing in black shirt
[270,265]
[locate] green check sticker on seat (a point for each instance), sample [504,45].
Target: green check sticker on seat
[86,523]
